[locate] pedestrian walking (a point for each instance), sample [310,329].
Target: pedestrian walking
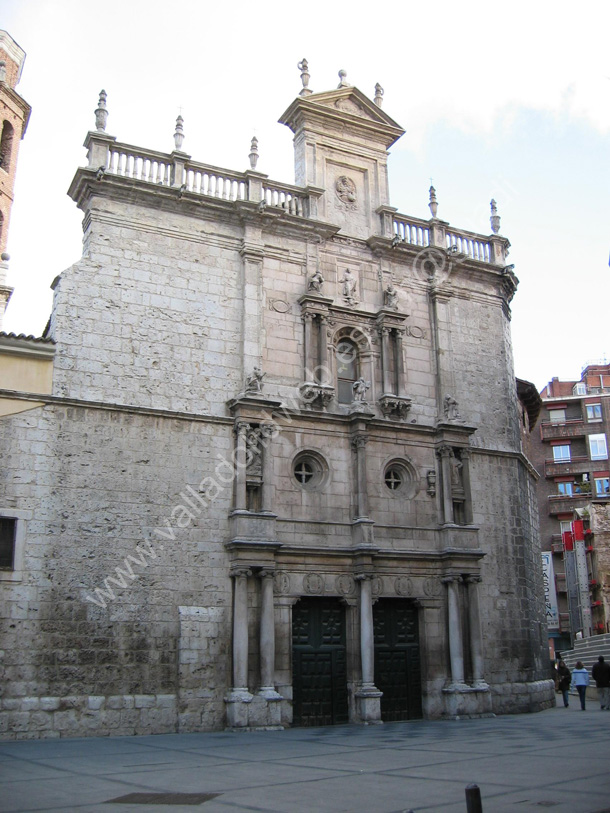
[601,675]
[580,678]
[564,678]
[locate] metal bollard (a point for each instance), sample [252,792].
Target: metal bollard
[473,799]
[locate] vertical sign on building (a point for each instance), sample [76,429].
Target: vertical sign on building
[550,594]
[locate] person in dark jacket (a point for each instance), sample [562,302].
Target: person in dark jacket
[564,678]
[601,675]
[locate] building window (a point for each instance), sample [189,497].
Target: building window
[598,447]
[347,370]
[6,145]
[561,454]
[310,470]
[580,388]
[8,539]
[565,488]
[393,478]
[557,415]
[594,412]
[602,486]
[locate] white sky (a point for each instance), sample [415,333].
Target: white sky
[509,100]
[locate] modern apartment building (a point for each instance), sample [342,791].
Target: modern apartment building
[570,451]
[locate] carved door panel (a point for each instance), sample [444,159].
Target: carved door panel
[397,659]
[319,673]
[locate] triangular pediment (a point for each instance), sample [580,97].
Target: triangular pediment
[348,104]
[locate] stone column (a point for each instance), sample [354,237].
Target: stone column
[456,652]
[239,697]
[362,502]
[307,357]
[465,457]
[445,453]
[400,365]
[369,697]
[241,430]
[324,372]
[476,638]
[385,361]
[267,636]
[267,432]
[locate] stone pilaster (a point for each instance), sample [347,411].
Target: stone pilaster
[465,458]
[446,453]
[267,637]
[359,442]
[385,361]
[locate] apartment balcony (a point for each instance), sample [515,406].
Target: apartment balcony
[564,622]
[560,584]
[575,428]
[557,545]
[577,465]
[564,504]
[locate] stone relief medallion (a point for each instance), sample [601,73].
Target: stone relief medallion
[313,584]
[282,583]
[346,192]
[416,332]
[376,586]
[403,586]
[279,305]
[432,587]
[345,585]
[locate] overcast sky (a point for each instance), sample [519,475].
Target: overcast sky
[509,100]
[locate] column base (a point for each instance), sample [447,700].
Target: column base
[368,704]
[237,702]
[248,712]
[462,701]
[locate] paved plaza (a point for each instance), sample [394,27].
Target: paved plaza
[557,759]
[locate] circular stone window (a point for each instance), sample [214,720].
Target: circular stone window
[309,470]
[400,479]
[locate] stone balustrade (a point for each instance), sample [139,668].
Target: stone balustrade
[178,170]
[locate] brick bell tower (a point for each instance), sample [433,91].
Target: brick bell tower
[14,116]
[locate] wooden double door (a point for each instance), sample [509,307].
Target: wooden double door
[319,663]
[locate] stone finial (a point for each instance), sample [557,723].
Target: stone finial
[343,83]
[101,114]
[495,217]
[378,95]
[304,68]
[253,152]
[2,70]
[179,134]
[433,203]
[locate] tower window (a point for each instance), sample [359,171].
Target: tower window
[8,527]
[6,145]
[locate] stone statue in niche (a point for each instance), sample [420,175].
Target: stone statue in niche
[359,389]
[390,297]
[348,287]
[254,382]
[456,472]
[451,410]
[316,281]
[253,452]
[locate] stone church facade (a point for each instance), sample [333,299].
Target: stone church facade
[279,477]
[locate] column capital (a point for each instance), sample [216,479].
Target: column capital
[266,573]
[465,453]
[360,440]
[452,579]
[241,427]
[444,451]
[473,578]
[238,572]
[364,577]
